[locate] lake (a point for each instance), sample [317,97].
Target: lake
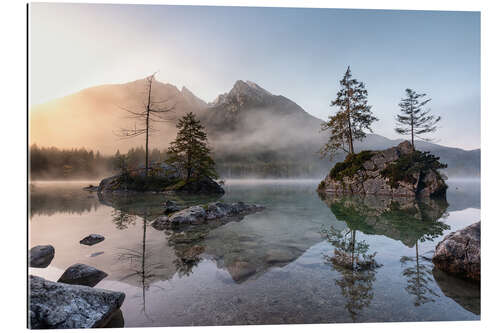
[304,259]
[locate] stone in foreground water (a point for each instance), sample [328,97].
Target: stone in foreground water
[82,274]
[41,256]
[92,239]
[60,305]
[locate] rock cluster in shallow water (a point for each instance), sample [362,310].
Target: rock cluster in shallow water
[204,214]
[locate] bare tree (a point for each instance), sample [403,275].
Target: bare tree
[152,112]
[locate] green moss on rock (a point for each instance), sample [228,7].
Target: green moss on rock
[352,164]
[407,166]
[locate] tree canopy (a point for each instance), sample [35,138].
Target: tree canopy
[413,120]
[190,149]
[353,117]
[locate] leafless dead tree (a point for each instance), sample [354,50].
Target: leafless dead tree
[152,112]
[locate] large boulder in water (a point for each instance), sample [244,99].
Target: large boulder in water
[459,253]
[41,256]
[82,274]
[59,305]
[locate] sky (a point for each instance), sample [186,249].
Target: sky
[298,53]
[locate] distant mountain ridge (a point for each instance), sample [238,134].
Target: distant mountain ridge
[252,131]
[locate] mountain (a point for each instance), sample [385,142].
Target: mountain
[92,117]
[252,131]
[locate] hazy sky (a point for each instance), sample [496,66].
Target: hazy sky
[297,53]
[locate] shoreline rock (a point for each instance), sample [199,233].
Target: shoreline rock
[368,177]
[459,253]
[195,215]
[41,256]
[59,305]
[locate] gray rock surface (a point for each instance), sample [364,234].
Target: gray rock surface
[369,179]
[201,215]
[171,207]
[41,256]
[59,305]
[82,274]
[92,239]
[459,253]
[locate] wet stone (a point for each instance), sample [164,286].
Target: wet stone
[82,274]
[92,239]
[41,256]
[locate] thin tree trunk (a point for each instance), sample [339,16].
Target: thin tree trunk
[147,127]
[412,135]
[351,146]
[353,244]
[143,271]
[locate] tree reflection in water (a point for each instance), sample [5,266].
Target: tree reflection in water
[357,267]
[407,220]
[138,265]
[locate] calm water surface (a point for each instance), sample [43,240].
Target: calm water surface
[304,259]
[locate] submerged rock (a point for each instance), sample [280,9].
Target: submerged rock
[466,293]
[459,253]
[191,215]
[92,239]
[41,256]
[370,172]
[204,214]
[171,207]
[59,305]
[82,275]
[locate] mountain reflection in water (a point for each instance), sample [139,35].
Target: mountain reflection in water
[304,259]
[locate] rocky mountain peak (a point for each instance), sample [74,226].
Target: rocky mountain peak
[192,98]
[243,92]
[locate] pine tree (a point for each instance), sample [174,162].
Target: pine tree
[190,149]
[413,119]
[352,119]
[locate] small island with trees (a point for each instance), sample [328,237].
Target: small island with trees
[188,166]
[397,171]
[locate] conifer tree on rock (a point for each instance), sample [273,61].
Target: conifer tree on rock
[190,149]
[413,119]
[352,119]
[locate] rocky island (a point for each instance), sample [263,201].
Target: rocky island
[163,178]
[397,171]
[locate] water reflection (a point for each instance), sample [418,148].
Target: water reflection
[268,267]
[357,267]
[467,294]
[56,198]
[404,219]
[398,218]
